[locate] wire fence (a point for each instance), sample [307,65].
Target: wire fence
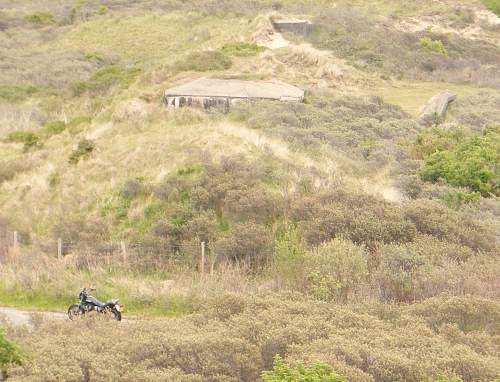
[146,254]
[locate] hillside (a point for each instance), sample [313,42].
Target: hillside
[339,230]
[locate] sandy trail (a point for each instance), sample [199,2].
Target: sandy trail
[18,317]
[23,317]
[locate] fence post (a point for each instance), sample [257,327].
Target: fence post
[59,248]
[16,240]
[202,262]
[212,264]
[124,251]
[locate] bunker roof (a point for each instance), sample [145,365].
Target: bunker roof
[206,87]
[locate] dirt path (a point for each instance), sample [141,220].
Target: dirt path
[18,317]
[23,317]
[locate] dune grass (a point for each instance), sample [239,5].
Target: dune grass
[170,34]
[412,95]
[493,5]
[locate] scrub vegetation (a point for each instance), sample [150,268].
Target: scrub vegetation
[343,240]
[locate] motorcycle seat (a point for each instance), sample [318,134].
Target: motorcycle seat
[95,301]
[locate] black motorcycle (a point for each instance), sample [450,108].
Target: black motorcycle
[89,303]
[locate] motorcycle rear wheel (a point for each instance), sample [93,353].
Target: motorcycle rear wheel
[116,315]
[75,311]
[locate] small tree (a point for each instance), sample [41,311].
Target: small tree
[319,372]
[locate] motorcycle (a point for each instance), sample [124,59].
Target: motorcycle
[89,303]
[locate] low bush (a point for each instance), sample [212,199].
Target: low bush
[204,61]
[472,163]
[16,93]
[477,111]
[248,243]
[106,78]
[318,372]
[429,45]
[28,138]
[437,139]
[336,270]
[9,354]
[83,151]
[41,18]
[53,128]
[235,337]
[76,124]
[242,49]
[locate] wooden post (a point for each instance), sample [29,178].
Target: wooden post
[16,240]
[59,248]
[212,264]
[124,251]
[202,262]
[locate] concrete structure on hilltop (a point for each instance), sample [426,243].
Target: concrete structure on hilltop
[206,92]
[302,27]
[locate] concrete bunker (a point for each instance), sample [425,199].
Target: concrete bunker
[207,93]
[297,26]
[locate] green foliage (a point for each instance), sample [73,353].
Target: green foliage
[54,179]
[29,138]
[41,18]
[242,49]
[319,372]
[189,170]
[9,352]
[53,128]
[492,5]
[336,270]
[445,378]
[83,151]
[429,45]
[472,163]
[437,139]
[75,125]
[457,199]
[289,254]
[204,61]
[16,93]
[105,78]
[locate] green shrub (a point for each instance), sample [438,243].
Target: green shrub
[54,179]
[319,372]
[84,149]
[242,49]
[105,78]
[437,139]
[9,354]
[336,270]
[40,18]
[492,5]
[74,126]
[204,61]
[473,163]
[29,138]
[16,93]
[289,255]
[53,128]
[457,199]
[429,45]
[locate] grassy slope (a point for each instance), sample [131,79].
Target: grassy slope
[159,143]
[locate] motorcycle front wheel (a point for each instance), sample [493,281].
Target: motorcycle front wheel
[75,311]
